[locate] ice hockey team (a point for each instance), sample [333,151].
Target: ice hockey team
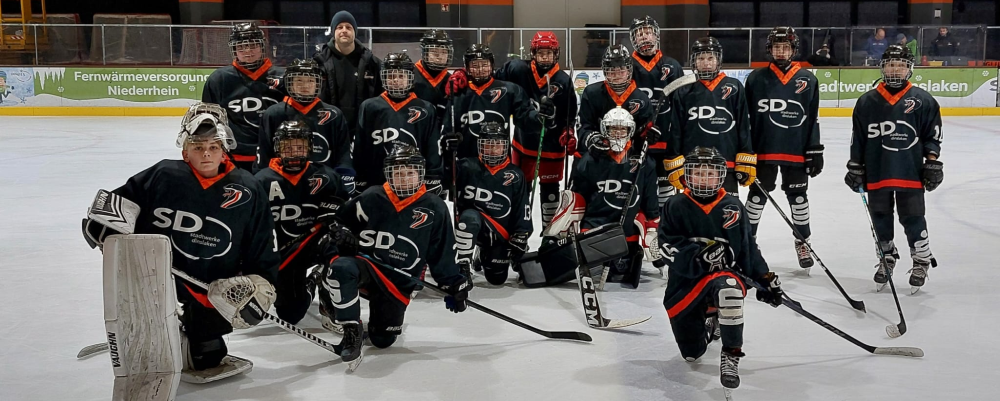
[280,197]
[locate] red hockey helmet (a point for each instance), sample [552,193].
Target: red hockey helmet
[545,40]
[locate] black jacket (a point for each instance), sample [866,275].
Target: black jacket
[367,85]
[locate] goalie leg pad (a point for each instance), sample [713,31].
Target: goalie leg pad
[568,214]
[554,263]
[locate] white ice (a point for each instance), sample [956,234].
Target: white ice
[51,299]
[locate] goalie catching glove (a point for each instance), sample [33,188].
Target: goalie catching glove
[242,300]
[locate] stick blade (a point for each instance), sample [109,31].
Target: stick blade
[899,351]
[859,305]
[570,335]
[620,323]
[91,350]
[895,331]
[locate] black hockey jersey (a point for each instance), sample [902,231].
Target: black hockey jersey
[685,228]
[651,75]
[560,89]
[711,114]
[893,133]
[298,200]
[499,193]
[431,87]
[784,113]
[604,183]
[331,140]
[409,234]
[598,99]
[245,95]
[219,227]
[495,101]
[384,122]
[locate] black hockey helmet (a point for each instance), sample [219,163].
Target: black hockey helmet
[895,57]
[396,67]
[479,51]
[436,39]
[491,135]
[303,70]
[293,159]
[402,161]
[617,58]
[646,47]
[706,45]
[704,171]
[782,34]
[246,34]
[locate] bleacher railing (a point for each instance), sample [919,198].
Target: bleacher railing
[206,45]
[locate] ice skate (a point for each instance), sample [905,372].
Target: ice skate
[918,274]
[805,257]
[884,272]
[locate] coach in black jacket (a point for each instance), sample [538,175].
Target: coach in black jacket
[351,71]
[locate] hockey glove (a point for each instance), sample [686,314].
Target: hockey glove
[932,174]
[449,142]
[457,83]
[675,171]
[855,178]
[546,108]
[434,185]
[599,143]
[651,134]
[568,140]
[746,168]
[458,292]
[773,293]
[242,300]
[814,160]
[519,243]
[715,256]
[344,240]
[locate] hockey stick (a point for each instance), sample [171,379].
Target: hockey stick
[558,335]
[538,153]
[795,306]
[92,350]
[859,305]
[454,159]
[892,330]
[592,304]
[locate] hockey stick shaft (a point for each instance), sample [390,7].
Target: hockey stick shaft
[562,335]
[859,305]
[901,327]
[538,154]
[291,328]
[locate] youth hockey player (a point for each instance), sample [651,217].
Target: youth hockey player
[301,194]
[784,122]
[431,78]
[895,145]
[245,89]
[711,113]
[331,142]
[395,226]
[218,222]
[654,72]
[541,78]
[396,116]
[493,207]
[705,235]
[617,90]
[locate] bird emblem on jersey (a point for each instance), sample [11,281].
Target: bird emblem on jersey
[421,217]
[634,106]
[325,116]
[416,114]
[508,178]
[497,94]
[665,72]
[317,182]
[728,90]
[633,164]
[554,89]
[730,216]
[911,104]
[273,82]
[801,85]
[235,195]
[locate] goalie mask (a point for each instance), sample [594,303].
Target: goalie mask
[397,75]
[404,170]
[706,58]
[246,43]
[704,171]
[618,126]
[436,49]
[303,78]
[617,67]
[645,35]
[896,66]
[782,43]
[479,64]
[205,122]
[293,143]
[493,143]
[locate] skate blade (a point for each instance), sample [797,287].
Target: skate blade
[230,366]
[880,287]
[913,290]
[353,365]
[729,394]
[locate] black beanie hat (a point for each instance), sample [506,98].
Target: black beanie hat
[342,16]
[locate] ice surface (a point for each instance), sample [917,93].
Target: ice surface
[50,299]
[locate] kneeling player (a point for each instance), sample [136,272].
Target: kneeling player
[493,207]
[401,230]
[705,235]
[217,219]
[302,194]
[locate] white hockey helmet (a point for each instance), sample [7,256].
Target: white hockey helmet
[206,122]
[618,126]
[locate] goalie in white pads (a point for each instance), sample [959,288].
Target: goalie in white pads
[218,222]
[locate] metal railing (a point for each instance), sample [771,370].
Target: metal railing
[207,45]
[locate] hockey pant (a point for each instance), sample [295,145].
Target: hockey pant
[911,215]
[721,291]
[348,278]
[550,173]
[794,182]
[294,290]
[494,252]
[204,327]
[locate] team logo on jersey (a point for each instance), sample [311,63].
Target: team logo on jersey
[665,72]
[508,178]
[801,85]
[730,216]
[728,90]
[325,116]
[416,114]
[273,82]
[633,164]
[235,195]
[554,89]
[497,94]
[912,104]
[317,182]
[421,217]
[634,106]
